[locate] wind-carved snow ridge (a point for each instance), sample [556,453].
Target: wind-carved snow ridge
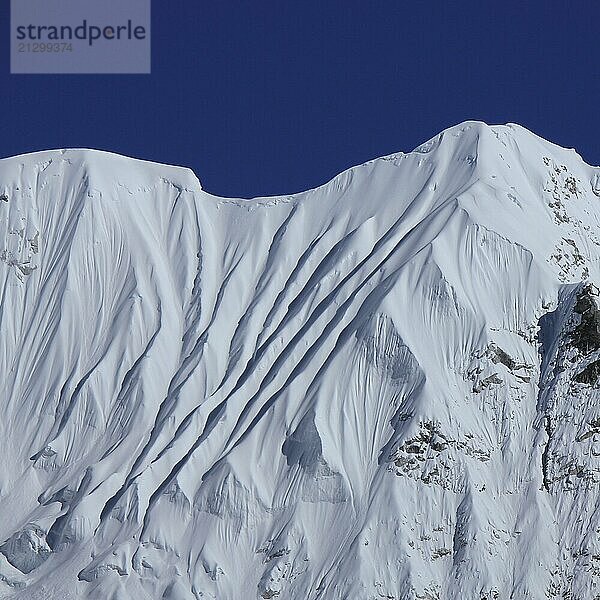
[385,387]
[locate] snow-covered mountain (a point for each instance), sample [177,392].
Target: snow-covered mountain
[385,387]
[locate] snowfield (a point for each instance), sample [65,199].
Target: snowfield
[385,387]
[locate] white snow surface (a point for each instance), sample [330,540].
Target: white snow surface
[384,387]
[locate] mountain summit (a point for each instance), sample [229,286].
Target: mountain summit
[385,387]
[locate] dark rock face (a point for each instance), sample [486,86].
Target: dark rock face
[569,343]
[586,336]
[590,374]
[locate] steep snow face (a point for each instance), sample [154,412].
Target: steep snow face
[385,387]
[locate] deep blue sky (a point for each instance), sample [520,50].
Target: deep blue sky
[268,97]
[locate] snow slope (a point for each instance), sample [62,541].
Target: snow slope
[381,388]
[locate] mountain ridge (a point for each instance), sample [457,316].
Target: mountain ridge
[107,154]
